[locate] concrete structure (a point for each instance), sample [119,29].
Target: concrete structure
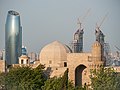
[57,58]
[33,56]
[100,37]
[77,43]
[13,37]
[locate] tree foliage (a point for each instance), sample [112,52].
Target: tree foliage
[105,79]
[59,83]
[24,78]
[2,81]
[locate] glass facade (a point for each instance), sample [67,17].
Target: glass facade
[13,37]
[24,50]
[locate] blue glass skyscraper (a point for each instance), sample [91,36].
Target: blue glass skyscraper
[13,37]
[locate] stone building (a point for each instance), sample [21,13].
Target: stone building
[2,66]
[24,60]
[57,57]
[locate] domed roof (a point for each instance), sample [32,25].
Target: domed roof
[24,51]
[23,56]
[54,53]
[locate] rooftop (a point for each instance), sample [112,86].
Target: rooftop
[11,12]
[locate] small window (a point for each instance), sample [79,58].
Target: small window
[21,61]
[65,64]
[50,62]
[27,61]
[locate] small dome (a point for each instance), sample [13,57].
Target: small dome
[23,56]
[54,54]
[24,51]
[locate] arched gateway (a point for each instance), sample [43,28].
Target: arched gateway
[79,74]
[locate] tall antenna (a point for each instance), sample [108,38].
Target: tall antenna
[117,48]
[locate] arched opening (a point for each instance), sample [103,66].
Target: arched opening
[78,75]
[22,61]
[27,62]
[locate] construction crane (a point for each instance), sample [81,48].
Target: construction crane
[81,20]
[98,26]
[77,43]
[117,48]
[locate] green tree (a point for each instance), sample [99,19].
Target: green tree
[2,81]
[59,83]
[25,78]
[64,81]
[105,79]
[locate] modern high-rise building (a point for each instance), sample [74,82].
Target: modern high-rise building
[32,56]
[77,43]
[100,38]
[13,37]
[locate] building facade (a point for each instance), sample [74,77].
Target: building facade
[33,56]
[57,58]
[13,37]
[77,43]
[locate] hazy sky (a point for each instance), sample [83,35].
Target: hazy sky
[44,21]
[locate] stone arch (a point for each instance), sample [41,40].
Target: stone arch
[78,74]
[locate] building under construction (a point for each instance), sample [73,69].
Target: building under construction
[77,43]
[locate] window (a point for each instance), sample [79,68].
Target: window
[50,62]
[22,61]
[65,64]
[27,62]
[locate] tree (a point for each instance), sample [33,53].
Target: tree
[59,83]
[2,81]
[64,81]
[25,78]
[105,79]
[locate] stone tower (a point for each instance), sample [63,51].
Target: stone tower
[97,54]
[80,64]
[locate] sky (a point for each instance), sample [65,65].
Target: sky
[44,21]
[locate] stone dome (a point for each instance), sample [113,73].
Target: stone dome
[54,54]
